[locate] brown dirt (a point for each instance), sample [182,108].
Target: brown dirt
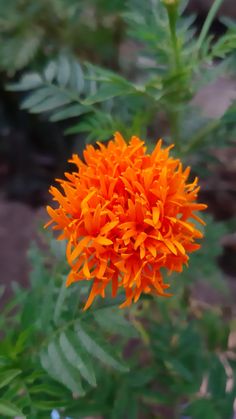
[18,225]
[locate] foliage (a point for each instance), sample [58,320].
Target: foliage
[31,32]
[54,355]
[178,64]
[160,357]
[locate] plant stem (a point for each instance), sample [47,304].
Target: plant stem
[172,17]
[209,19]
[174,114]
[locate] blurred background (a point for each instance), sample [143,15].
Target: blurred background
[45,48]
[34,151]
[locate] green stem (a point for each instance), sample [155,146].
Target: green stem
[174,115]
[209,19]
[172,17]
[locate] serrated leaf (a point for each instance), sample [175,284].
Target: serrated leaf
[7,376]
[77,356]
[54,390]
[63,74]
[36,97]
[50,71]
[50,103]
[107,91]
[100,350]
[69,112]
[77,128]
[10,410]
[27,82]
[102,74]
[63,370]
[49,405]
[18,51]
[113,321]
[77,77]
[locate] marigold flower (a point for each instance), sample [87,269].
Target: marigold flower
[126,214]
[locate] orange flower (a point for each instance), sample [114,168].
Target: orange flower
[126,215]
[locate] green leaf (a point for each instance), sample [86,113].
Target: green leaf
[49,405]
[121,404]
[113,321]
[142,377]
[202,408]
[102,74]
[84,409]
[36,97]
[54,390]
[57,365]
[27,82]
[77,356]
[69,112]
[99,349]
[63,74]
[11,391]
[217,379]
[216,331]
[10,410]
[107,91]
[7,376]
[60,300]
[77,128]
[50,71]
[77,78]
[35,375]
[178,367]
[20,343]
[58,99]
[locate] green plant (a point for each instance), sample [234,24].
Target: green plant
[50,347]
[179,63]
[31,33]
[159,357]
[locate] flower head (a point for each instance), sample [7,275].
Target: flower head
[126,214]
